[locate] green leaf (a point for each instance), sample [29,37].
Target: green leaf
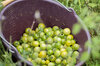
[85,56]
[76,29]
[92,5]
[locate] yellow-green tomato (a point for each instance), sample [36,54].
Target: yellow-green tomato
[51,64]
[55,28]
[64,54]
[66,31]
[75,46]
[43,46]
[16,43]
[58,60]
[30,38]
[68,42]
[37,49]
[24,39]
[52,58]
[57,53]
[25,46]
[49,40]
[70,37]
[41,25]
[25,34]
[35,55]
[35,43]
[29,59]
[43,62]
[28,30]
[42,54]
[47,61]
[64,62]
[19,48]
[75,54]
[50,52]
[38,60]
[73,42]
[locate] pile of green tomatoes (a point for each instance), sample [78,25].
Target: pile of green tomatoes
[48,46]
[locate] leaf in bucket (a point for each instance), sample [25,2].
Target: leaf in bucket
[76,28]
[85,56]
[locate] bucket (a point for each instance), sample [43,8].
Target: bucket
[19,15]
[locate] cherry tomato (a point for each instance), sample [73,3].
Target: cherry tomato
[38,60]
[43,46]
[73,42]
[49,47]
[35,43]
[64,54]
[75,54]
[58,60]
[66,31]
[37,49]
[35,55]
[41,25]
[16,43]
[51,64]
[42,34]
[49,40]
[19,48]
[75,46]
[68,42]
[57,53]
[58,45]
[57,39]
[30,38]
[64,62]
[50,52]
[52,58]
[28,30]
[42,54]
[47,61]
[57,33]
[24,39]
[55,28]
[25,34]
[43,62]
[46,30]
[70,37]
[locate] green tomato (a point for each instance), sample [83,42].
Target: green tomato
[53,45]
[28,30]
[75,46]
[68,42]
[58,45]
[43,46]
[69,49]
[42,34]
[69,37]
[32,33]
[43,62]
[50,29]
[38,60]
[46,30]
[64,62]
[39,39]
[25,46]
[75,54]
[16,43]
[73,42]
[35,55]
[35,43]
[30,38]
[20,48]
[57,33]
[49,47]
[50,52]
[41,25]
[59,65]
[43,38]
[69,59]
[52,58]
[64,54]
[55,28]
[36,36]
[42,54]
[57,39]
[66,31]
[37,30]
[28,49]
[37,49]
[58,60]
[25,34]
[51,64]
[57,53]
[50,33]
[24,39]
[63,41]
[49,40]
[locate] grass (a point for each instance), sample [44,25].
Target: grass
[89,12]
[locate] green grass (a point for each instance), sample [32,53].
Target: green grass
[89,12]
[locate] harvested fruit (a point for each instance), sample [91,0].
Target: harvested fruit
[46,46]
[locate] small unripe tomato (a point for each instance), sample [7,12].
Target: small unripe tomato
[35,43]
[66,31]
[75,46]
